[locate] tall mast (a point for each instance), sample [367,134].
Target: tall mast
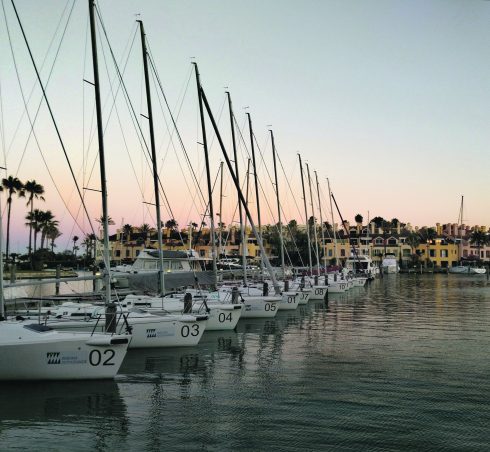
[237,186]
[306,215]
[321,217]
[333,224]
[279,224]
[314,221]
[220,225]
[208,174]
[240,213]
[161,273]
[247,191]
[100,136]
[257,197]
[2,300]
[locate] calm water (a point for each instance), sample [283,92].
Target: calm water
[402,364]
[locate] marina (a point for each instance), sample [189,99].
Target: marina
[400,365]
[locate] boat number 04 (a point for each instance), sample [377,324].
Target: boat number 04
[95,357]
[270,307]
[185,330]
[223,317]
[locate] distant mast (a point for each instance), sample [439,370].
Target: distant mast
[161,273]
[240,213]
[306,215]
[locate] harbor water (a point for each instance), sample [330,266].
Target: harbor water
[401,364]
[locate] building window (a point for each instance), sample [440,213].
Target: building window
[444,253]
[342,253]
[465,253]
[128,253]
[432,253]
[487,253]
[118,253]
[330,253]
[137,252]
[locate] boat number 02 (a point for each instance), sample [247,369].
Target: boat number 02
[185,330]
[95,357]
[270,307]
[318,291]
[222,317]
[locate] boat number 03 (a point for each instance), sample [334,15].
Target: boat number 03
[270,307]
[223,317]
[185,330]
[318,291]
[96,357]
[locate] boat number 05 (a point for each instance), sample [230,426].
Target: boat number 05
[185,330]
[95,357]
[270,307]
[223,317]
[318,291]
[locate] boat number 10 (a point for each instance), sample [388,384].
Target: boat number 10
[96,357]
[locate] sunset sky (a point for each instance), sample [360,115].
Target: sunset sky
[389,99]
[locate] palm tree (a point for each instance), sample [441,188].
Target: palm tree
[171,224]
[127,229]
[413,240]
[358,219]
[47,220]
[75,247]
[52,233]
[34,221]
[479,239]
[428,234]
[35,191]
[13,186]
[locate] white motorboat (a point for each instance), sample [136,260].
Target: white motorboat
[36,352]
[467,270]
[390,264]
[361,264]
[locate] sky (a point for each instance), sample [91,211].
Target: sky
[389,99]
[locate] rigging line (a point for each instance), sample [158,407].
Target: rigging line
[173,146]
[51,112]
[174,123]
[107,98]
[41,100]
[34,84]
[289,184]
[2,128]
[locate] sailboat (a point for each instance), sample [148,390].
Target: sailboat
[464,269]
[31,351]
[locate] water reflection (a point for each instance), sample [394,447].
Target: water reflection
[58,407]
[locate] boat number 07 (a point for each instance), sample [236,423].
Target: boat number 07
[95,357]
[222,317]
[270,307]
[185,330]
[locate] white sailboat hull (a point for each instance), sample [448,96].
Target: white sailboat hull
[53,355]
[289,301]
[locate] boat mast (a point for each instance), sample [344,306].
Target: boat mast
[208,174]
[237,186]
[2,299]
[314,222]
[306,214]
[279,223]
[333,224]
[161,273]
[220,225]
[321,218]
[245,218]
[100,137]
[257,198]
[240,213]
[460,220]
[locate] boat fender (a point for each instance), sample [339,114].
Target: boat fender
[234,295]
[265,290]
[187,303]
